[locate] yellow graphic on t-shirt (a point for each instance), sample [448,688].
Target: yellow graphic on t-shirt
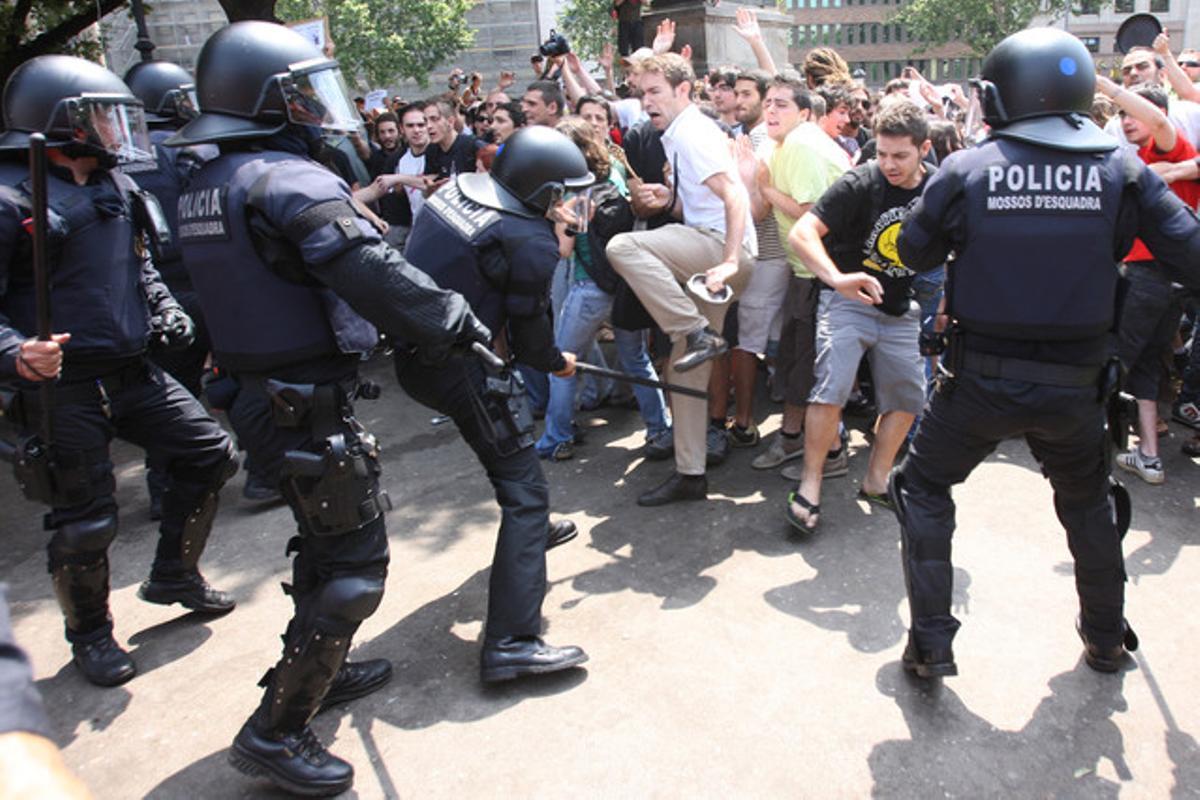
[883,253]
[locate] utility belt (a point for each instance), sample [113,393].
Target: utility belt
[335,487]
[98,389]
[1040,372]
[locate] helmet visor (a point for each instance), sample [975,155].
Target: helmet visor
[319,97]
[113,123]
[182,102]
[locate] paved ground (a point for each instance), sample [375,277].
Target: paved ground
[727,656]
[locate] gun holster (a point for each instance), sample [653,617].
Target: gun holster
[503,411]
[335,487]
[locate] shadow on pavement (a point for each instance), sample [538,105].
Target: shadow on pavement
[953,752]
[72,702]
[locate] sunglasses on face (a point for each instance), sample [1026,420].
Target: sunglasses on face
[1192,64]
[484,120]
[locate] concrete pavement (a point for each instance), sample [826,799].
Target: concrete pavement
[728,657]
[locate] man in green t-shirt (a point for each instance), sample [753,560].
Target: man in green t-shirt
[806,163]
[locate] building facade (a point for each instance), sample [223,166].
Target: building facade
[178,29]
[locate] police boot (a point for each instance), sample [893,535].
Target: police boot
[175,576]
[1106,659]
[82,591]
[101,659]
[296,762]
[515,656]
[276,741]
[357,679]
[928,663]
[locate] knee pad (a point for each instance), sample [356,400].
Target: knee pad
[82,540]
[345,601]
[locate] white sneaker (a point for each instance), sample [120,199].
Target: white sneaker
[776,455]
[1148,469]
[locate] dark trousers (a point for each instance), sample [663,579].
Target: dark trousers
[185,366]
[152,410]
[298,683]
[630,36]
[518,578]
[1064,428]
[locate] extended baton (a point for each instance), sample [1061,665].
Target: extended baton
[581,366]
[41,272]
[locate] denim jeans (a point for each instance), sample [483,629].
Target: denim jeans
[585,308]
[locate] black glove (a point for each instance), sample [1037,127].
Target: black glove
[171,329]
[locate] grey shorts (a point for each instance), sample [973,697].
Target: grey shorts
[845,330]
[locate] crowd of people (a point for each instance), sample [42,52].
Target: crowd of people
[754,219]
[791,135]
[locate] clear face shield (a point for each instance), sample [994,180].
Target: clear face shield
[113,122]
[316,95]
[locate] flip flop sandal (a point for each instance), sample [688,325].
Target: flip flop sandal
[882,500]
[810,508]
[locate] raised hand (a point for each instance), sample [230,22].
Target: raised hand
[664,37]
[747,24]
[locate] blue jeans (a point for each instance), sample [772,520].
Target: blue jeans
[585,308]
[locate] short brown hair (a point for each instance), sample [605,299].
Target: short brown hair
[902,118]
[673,67]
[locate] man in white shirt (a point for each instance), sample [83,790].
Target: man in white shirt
[1143,65]
[716,240]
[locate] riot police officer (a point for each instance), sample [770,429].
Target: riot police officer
[285,264]
[489,236]
[107,295]
[1035,219]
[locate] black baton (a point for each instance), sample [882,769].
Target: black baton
[41,272]
[625,377]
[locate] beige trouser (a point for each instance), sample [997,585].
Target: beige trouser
[655,264]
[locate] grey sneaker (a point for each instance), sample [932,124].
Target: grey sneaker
[776,454]
[1148,469]
[836,466]
[660,446]
[717,444]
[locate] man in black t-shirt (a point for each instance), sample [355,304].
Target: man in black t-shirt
[848,241]
[450,152]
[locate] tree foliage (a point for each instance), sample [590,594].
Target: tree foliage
[588,25]
[381,41]
[980,24]
[31,28]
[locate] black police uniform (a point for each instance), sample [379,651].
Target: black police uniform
[103,290]
[278,255]
[1035,235]
[165,178]
[502,264]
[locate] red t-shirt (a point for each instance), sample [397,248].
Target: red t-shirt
[1188,191]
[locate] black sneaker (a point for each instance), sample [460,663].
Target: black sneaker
[744,437]
[103,662]
[296,762]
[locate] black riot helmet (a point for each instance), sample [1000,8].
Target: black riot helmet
[167,90]
[535,168]
[254,78]
[81,107]
[1037,86]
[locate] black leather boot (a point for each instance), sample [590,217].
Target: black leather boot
[189,589]
[514,656]
[102,661]
[701,346]
[294,761]
[357,679]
